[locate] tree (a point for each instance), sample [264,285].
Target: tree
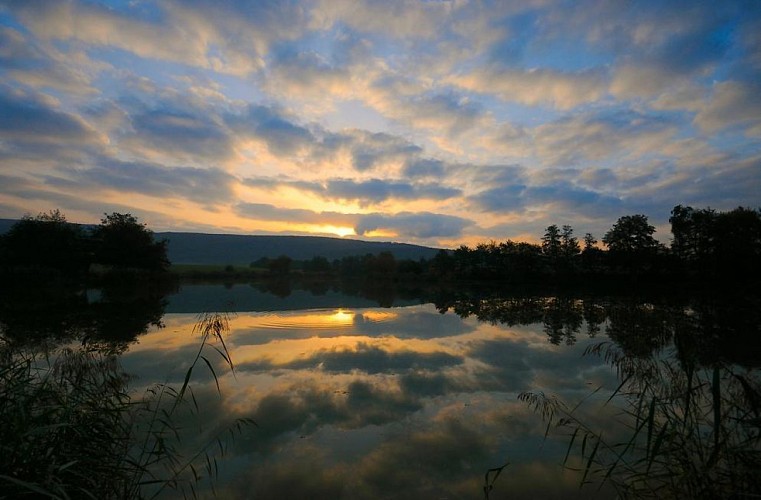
[551,242]
[442,264]
[318,264]
[384,264]
[281,265]
[591,256]
[694,234]
[124,243]
[737,243]
[631,234]
[589,242]
[46,242]
[569,243]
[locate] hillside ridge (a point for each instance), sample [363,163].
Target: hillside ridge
[242,249]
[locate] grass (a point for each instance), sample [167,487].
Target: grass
[71,429]
[694,432]
[216,272]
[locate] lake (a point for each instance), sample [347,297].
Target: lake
[401,395]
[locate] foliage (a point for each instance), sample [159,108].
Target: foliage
[46,241]
[692,231]
[569,243]
[64,430]
[280,265]
[693,432]
[720,244]
[71,428]
[631,234]
[551,241]
[589,242]
[317,264]
[124,243]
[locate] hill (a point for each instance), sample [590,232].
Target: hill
[200,248]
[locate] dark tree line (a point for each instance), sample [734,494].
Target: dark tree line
[48,244]
[706,244]
[717,243]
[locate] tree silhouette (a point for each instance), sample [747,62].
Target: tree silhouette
[631,234]
[631,243]
[124,243]
[569,243]
[46,242]
[694,235]
[280,266]
[737,243]
[589,242]
[551,241]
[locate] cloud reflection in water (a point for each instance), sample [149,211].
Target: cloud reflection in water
[366,403]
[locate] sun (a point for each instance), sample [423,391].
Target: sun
[340,230]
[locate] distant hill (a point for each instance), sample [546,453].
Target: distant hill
[200,248]
[5,225]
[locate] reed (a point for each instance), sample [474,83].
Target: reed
[693,432]
[72,429]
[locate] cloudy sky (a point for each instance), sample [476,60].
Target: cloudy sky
[433,122]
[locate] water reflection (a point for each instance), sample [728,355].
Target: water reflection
[109,318]
[367,402]
[356,400]
[707,328]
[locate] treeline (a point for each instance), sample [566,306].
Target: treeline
[49,245]
[706,244]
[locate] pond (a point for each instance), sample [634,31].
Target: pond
[445,395]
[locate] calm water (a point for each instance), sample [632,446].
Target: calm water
[418,399]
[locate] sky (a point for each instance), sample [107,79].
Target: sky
[432,122]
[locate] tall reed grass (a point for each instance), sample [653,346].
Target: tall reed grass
[70,428]
[693,432]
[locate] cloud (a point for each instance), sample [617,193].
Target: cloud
[597,136]
[306,73]
[370,150]
[282,136]
[68,198]
[362,403]
[378,190]
[29,118]
[364,192]
[207,186]
[404,111]
[365,150]
[373,360]
[413,225]
[43,66]
[420,225]
[732,104]
[227,37]
[179,135]
[263,211]
[563,90]
[445,113]
[424,167]
[414,325]
[400,20]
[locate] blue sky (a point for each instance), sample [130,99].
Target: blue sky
[432,122]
